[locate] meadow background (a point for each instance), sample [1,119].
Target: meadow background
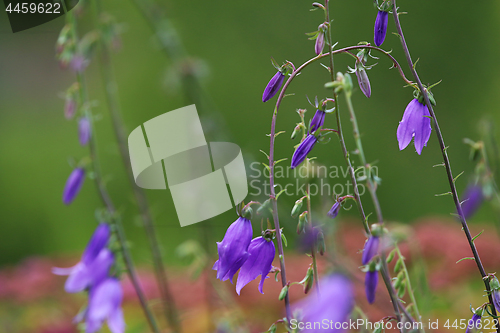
[231,43]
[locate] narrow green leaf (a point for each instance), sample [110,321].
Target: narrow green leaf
[455,179]
[466,258]
[479,234]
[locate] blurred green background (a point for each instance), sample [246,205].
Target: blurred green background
[456,42]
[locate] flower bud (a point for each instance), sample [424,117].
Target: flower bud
[296,208]
[308,280]
[265,208]
[302,223]
[334,211]
[363,81]
[321,243]
[283,293]
[380,29]
[273,86]
[84,130]
[320,41]
[69,108]
[73,185]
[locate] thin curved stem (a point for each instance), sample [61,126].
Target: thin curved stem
[106,199]
[272,196]
[446,161]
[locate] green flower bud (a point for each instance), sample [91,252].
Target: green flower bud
[296,208]
[283,293]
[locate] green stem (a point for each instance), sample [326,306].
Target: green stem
[408,286]
[372,187]
[446,161]
[139,194]
[104,195]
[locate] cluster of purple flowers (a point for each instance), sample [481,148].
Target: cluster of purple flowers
[238,251]
[91,274]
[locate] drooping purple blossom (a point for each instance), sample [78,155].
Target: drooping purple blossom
[371,281]
[303,149]
[472,198]
[334,211]
[73,185]
[94,265]
[415,124]
[105,304]
[334,304]
[233,250]
[320,42]
[474,323]
[370,250]
[261,256]
[363,81]
[273,86]
[84,130]
[380,27]
[317,121]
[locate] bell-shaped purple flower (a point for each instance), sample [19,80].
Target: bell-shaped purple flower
[303,149]
[317,121]
[380,27]
[273,86]
[105,304]
[73,185]
[84,130]
[333,304]
[233,250]
[370,250]
[474,323]
[371,281]
[94,265]
[472,198]
[363,81]
[334,211]
[320,42]
[415,124]
[258,263]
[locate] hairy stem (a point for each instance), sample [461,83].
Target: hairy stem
[105,197]
[139,194]
[274,201]
[446,161]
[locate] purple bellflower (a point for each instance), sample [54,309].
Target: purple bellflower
[233,250]
[334,304]
[84,130]
[317,121]
[73,185]
[273,86]
[371,281]
[415,124]
[472,198]
[334,211]
[380,27]
[258,263]
[303,149]
[370,250]
[105,304]
[94,265]
[474,323]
